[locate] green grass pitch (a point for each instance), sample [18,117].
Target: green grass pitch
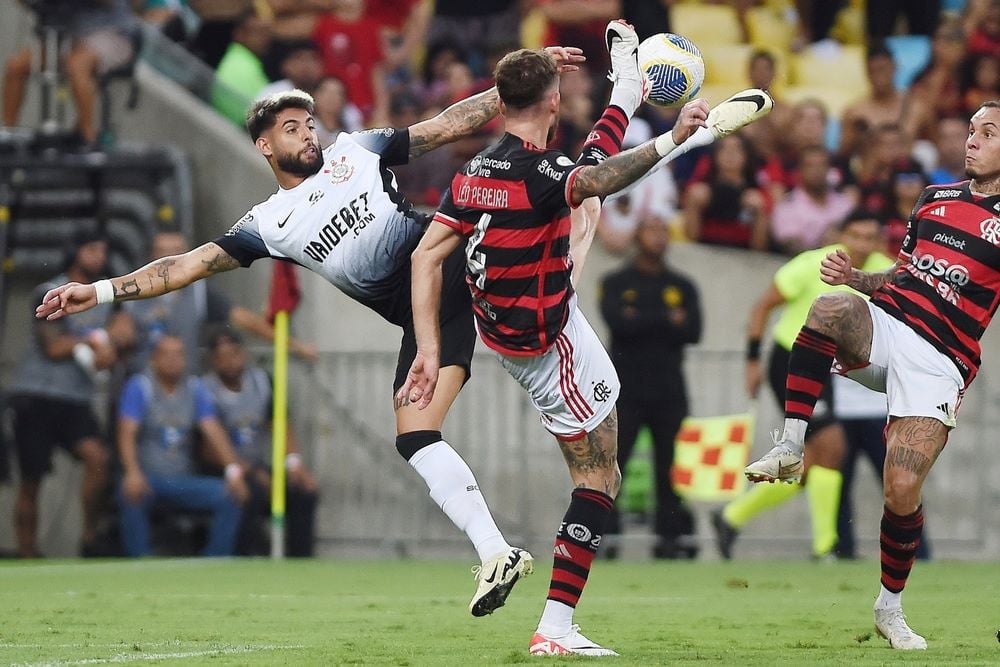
[335,612]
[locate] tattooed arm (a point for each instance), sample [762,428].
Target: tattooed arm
[619,171]
[472,113]
[164,275]
[837,269]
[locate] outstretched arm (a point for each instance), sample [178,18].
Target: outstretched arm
[437,243]
[628,166]
[164,275]
[467,116]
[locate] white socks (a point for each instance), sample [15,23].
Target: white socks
[557,619]
[888,600]
[795,434]
[453,487]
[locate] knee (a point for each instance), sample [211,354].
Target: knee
[81,63]
[829,308]
[901,492]
[18,65]
[408,444]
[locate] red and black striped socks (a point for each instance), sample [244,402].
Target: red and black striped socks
[898,542]
[574,551]
[606,138]
[808,372]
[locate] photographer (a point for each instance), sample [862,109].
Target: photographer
[96,36]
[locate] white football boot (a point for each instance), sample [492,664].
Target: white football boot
[497,577]
[738,111]
[572,643]
[891,624]
[782,463]
[623,48]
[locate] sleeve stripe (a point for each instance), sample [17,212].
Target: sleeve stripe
[569,187]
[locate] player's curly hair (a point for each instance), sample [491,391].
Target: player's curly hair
[264,112]
[523,76]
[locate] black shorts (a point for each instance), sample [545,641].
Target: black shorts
[777,373]
[458,331]
[41,424]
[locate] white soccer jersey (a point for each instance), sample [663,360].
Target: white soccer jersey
[347,222]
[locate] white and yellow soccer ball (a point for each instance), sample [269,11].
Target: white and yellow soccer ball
[674,68]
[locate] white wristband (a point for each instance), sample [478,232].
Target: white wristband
[664,144]
[233,471]
[293,462]
[105,291]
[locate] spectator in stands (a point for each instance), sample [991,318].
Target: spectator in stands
[648,18]
[765,134]
[100,37]
[908,181]
[883,105]
[724,204]
[296,19]
[334,114]
[983,29]
[809,215]
[159,416]
[217,21]
[352,51]
[653,197]
[475,28]
[171,17]
[952,134]
[576,112]
[186,312]
[242,394]
[653,312]
[403,26]
[434,85]
[980,82]
[806,128]
[884,151]
[298,64]
[240,76]
[936,91]
[581,23]
[881,15]
[51,397]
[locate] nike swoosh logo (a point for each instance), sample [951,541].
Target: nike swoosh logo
[492,576]
[282,223]
[756,99]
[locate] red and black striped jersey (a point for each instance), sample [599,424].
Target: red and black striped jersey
[510,200]
[947,286]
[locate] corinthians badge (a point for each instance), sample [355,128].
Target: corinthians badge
[340,172]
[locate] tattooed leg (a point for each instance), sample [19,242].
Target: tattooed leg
[593,459]
[912,446]
[844,318]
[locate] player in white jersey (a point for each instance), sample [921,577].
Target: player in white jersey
[337,212]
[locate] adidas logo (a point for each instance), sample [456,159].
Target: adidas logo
[945,408]
[939,211]
[561,550]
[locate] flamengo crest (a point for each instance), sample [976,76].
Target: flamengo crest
[990,230]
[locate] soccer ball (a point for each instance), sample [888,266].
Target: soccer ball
[674,68]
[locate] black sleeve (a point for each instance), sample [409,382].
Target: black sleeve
[392,145]
[243,241]
[551,176]
[910,240]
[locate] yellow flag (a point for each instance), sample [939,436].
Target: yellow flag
[709,456]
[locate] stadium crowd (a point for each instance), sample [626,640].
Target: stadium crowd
[859,148]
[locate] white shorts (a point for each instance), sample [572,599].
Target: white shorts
[917,379]
[573,385]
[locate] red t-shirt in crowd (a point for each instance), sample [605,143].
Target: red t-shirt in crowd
[390,13]
[350,51]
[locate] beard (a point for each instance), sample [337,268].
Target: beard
[295,165]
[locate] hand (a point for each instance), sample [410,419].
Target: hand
[237,489]
[836,268]
[693,115]
[135,487]
[104,350]
[753,378]
[566,57]
[420,381]
[66,300]
[305,351]
[303,479]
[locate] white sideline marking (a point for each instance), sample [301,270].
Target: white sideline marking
[137,656]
